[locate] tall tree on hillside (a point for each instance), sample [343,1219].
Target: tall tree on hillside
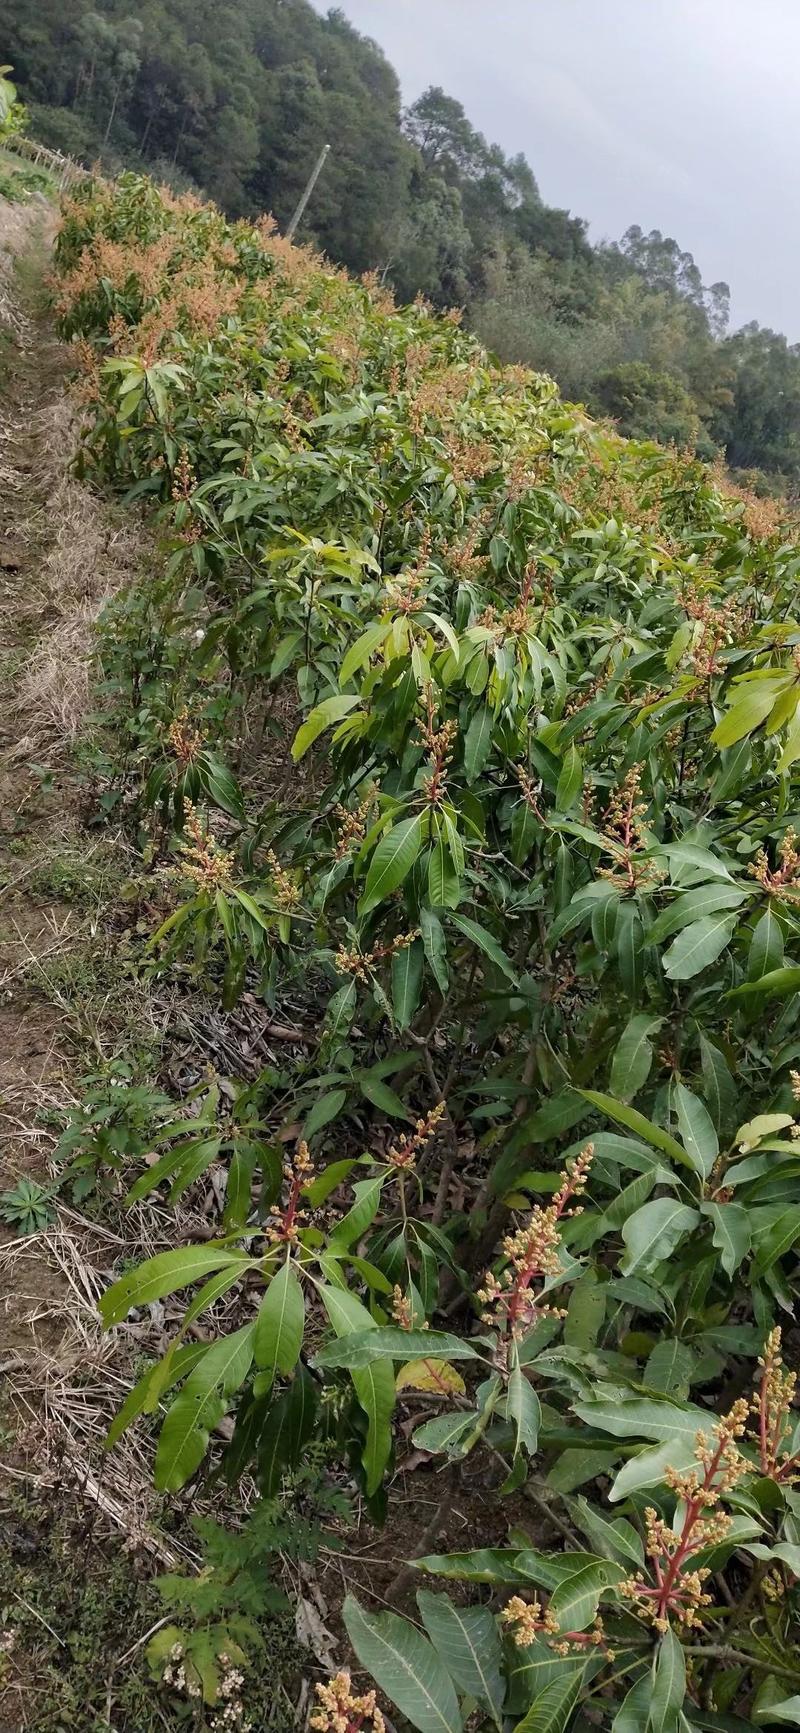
[438,126]
[761,426]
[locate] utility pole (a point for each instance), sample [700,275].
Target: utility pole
[309,188]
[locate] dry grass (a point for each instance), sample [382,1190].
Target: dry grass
[89,557]
[17,225]
[66,1386]
[76,554]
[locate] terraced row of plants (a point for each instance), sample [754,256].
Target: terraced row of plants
[536,1177]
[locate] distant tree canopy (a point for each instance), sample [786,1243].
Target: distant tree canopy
[237,96]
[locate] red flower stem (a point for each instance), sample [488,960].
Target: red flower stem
[684,1549]
[526,1275]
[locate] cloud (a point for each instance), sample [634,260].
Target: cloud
[675,114]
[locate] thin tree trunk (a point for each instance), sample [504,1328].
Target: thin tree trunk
[113,112]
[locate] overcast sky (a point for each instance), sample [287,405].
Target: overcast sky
[680,115]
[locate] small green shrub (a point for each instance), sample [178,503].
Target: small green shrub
[223,1609]
[28,1207]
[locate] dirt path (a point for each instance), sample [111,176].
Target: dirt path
[34,806]
[61,553]
[70,1594]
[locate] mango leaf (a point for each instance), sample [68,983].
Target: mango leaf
[478,742]
[373,1385]
[549,1570]
[525,827]
[691,906]
[787,1711]
[165,1274]
[444,1433]
[200,1406]
[778,1239]
[161,1377]
[360,652]
[284,654]
[444,884]
[719,1087]
[531,1670]
[558,1114]
[696,1127]
[407,982]
[350,1227]
[404,1665]
[323,716]
[766,946]
[391,861]
[328,1180]
[669,1685]
[690,854]
[791,748]
[523,1408]
[435,946]
[635,1121]
[631,1717]
[375,1090]
[138,1400]
[221,787]
[617,1540]
[326,1108]
[579,1467]
[633,1056]
[485,1565]
[429,1374]
[748,711]
[731,1233]
[776,984]
[750,1135]
[289,1425]
[486,943]
[570,781]
[670,1367]
[365,1346]
[652,1233]
[551,1710]
[648,1467]
[644,1417]
[631,1198]
[467,1640]
[587,1304]
[280,1323]
[697,946]
[574,1601]
[442,625]
[787,1552]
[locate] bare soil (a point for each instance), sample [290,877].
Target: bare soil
[32,367]
[71,1601]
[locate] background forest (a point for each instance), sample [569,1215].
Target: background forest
[237,98]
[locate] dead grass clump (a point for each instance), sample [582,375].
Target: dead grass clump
[73,550]
[55,682]
[65,1377]
[17,223]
